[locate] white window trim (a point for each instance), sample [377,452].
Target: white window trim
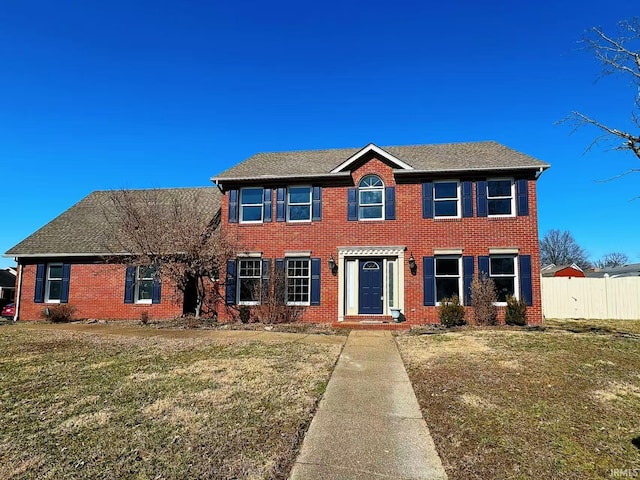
[516,276]
[382,204]
[458,199]
[286,291]
[47,279]
[436,276]
[513,197]
[310,203]
[261,205]
[239,278]
[136,289]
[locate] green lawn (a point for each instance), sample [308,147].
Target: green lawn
[518,404]
[92,406]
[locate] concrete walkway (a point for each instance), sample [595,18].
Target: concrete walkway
[368,424]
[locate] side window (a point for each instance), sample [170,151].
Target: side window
[371,198]
[446,199]
[249,280]
[298,291]
[299,204]
[251,205]
[500,197]
[144,284]
[447,277]
[502,270]
[53,287]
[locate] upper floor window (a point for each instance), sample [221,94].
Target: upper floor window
[447,277]
[249,280]
[446,199]
[145,277]
[251,205]
[500,197]
[299,204]
[371,198]
[53,286]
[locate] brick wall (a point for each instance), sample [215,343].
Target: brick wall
[97,291]
[421,236]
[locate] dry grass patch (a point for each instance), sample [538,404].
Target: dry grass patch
[520,404]
[77,405]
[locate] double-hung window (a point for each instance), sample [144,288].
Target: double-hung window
[371,198]
[299,204]
[145,277]
[446,199]
[251,205]
[502,270]
[53,286]
[500,197]
[447,277]
[249,280]
[298,291]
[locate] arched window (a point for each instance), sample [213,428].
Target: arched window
[371,198]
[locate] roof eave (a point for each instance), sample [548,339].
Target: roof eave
[314,176]
[53,254]
[470,169]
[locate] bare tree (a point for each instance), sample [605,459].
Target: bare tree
[560,248]
[615,259]
[618,55]
[176,232]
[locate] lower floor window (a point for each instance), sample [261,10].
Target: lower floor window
[447,276]
[249,275]
[502,271]
[53,289]
[298,281]
[144,284]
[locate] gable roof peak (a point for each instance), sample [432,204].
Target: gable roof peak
[372,147]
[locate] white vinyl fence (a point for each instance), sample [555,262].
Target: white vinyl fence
[591,298]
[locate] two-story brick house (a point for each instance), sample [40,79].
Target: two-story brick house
[356,232]
[361,231]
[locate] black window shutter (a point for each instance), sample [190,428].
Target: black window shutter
[315,281]
[317,203]
[427,200]
[352,204]
[230,283]
[481,198]
[390,203]
[156,296]
[267,205]
[483,266]
[281,284]
[266,272]
[526,288]
[66,275]
[429,281]
[467,199]
[233,206]
[129,284]
[522,192]
[467,272]
[39,293]
[281,204]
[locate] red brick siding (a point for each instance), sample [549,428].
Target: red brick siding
[421,236]
[97,291]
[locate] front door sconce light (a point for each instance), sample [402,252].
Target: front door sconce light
[413,266]
[331,263]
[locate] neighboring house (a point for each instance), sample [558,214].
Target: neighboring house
[630,270]
[553,270]
[7,285]
[355,232]
[361,231]
[77,259]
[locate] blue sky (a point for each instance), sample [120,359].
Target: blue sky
[140,94]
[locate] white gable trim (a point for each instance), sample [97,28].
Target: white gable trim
[371,148]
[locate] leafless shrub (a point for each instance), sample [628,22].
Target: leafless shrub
[483,298]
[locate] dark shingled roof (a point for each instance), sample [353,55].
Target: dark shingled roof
[487,155]
[7,279]
[84,229]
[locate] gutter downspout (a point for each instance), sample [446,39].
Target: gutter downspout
[18,293]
